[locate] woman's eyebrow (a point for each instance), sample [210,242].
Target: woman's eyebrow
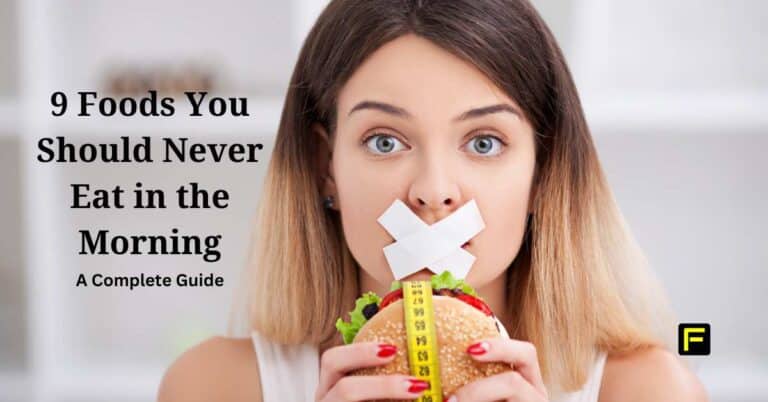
[402,113]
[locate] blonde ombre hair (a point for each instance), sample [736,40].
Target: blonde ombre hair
[579,283]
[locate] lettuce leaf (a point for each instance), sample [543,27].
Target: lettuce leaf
[356,318]
[447,281]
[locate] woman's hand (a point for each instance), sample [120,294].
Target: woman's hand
[335,385]
[523,384]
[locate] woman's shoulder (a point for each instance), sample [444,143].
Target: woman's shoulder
[217,369]
[651,374]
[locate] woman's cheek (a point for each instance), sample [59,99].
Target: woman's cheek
[362,204]
[504,213]
[366,239]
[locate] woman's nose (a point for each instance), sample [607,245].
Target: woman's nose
[434,194]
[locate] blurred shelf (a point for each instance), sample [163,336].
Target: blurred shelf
[263,121]
[9,120]
[662,113]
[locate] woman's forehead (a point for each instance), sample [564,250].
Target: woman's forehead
[420,77]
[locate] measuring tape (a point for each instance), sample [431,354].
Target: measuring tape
[422,339]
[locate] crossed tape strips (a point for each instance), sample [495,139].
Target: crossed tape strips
[437,247]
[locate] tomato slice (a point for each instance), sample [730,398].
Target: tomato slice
[475,302]
[391,297]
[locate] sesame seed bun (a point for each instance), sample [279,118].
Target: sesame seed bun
[457,325]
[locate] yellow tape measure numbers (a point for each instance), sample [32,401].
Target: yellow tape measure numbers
[422,339]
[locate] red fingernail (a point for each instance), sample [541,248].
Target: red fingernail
[478,348]
[386,350]
[417,386]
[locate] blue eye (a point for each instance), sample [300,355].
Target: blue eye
[382,144]
[485,145]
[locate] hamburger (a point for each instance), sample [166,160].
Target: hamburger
[461,318]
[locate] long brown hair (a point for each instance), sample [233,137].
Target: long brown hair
[579,283]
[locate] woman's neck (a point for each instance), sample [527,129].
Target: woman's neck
[495,295]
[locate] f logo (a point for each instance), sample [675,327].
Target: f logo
[693,339]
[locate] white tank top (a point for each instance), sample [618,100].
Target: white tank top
[291,373]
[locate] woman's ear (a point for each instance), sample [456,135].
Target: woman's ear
[324,162]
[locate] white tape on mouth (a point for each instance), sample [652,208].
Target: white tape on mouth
[436,247]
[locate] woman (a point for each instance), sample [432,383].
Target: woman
[437,103]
